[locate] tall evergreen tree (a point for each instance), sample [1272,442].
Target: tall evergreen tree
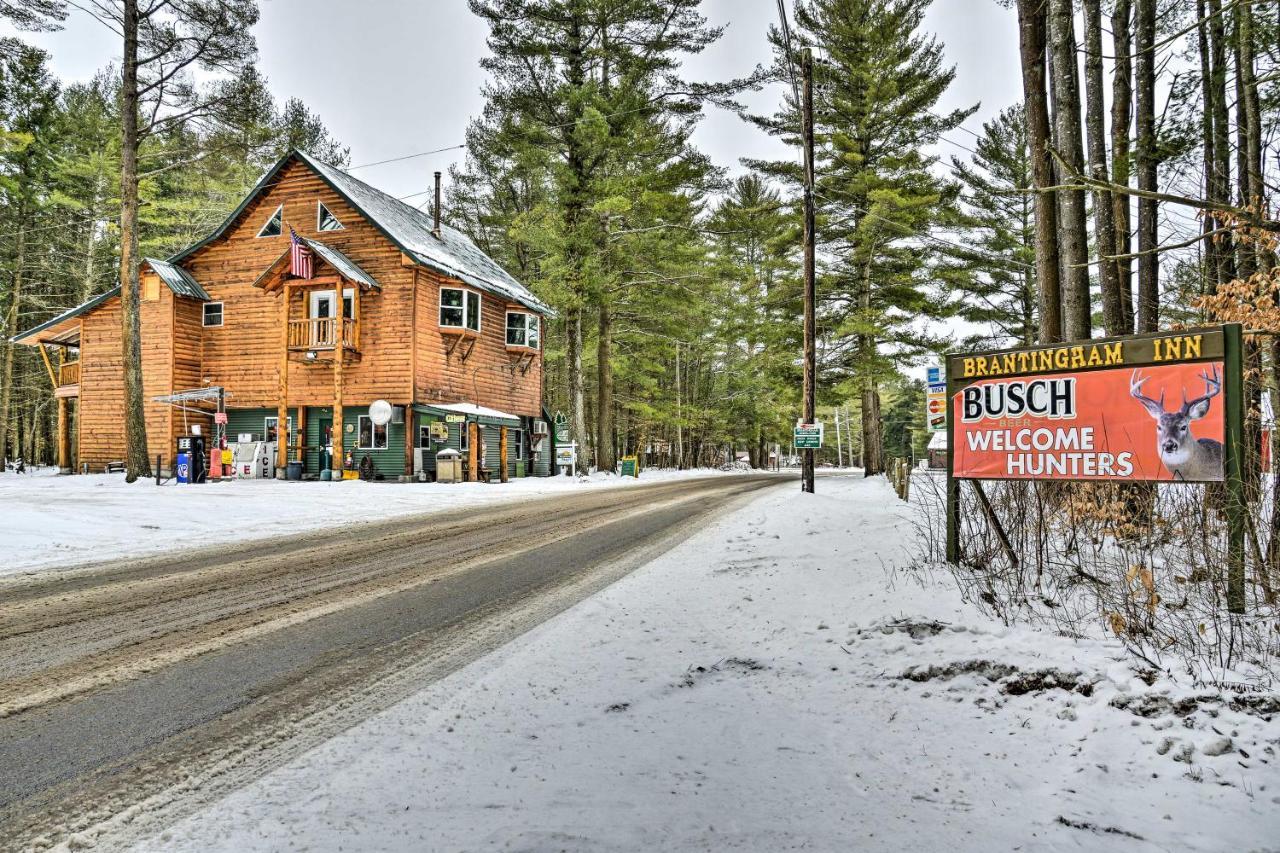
[877,86]
[575,84]
[28,111]
[995,280]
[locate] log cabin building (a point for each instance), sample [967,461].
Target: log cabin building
[398,307]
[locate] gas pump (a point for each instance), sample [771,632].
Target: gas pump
[191,459]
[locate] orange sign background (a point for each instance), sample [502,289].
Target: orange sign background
[1109,436]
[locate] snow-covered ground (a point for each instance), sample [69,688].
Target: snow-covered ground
[773,683]
[48,520]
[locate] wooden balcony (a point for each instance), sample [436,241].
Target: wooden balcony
[69,373]
[322,334]
[68,380]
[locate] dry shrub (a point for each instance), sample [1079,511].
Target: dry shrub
[1146,563]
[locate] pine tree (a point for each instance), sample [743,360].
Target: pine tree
[876,87]
[585,88]
[28,110]
[996,280]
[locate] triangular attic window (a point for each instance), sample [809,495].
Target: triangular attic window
[275,225]
[326,221]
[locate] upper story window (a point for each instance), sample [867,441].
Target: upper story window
[213,313]
[459,308]
[523,330]
[325,220]
[275,225]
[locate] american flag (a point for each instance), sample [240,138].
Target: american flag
[299,256]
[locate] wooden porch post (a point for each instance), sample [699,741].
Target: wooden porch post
[473,439]
[282,411]
[502,454]
[339,357]
[410,436]
[64,437]
[302,434]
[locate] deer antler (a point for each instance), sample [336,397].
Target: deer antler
[1136,381]
[1212,388]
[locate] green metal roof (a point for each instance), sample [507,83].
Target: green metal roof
[178,279]
[479,414]
[67,315]
[346,267]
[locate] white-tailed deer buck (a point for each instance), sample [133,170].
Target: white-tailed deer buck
[1185,456]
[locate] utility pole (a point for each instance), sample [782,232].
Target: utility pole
[810,287]
[679,416]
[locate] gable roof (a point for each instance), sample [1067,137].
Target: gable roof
[346,267]
[452,253]
[177,279]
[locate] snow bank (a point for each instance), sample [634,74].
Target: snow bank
[49,521]
[771,684]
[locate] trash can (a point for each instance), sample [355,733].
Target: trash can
[295,471]
[448,466]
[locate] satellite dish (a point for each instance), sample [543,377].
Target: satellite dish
[380,412]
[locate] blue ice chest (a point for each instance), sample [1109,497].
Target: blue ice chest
[184,468]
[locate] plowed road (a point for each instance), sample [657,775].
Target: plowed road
[135,691]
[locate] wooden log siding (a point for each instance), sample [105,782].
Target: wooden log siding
[244,354]
[486,376]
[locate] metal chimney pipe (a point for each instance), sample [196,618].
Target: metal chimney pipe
[435,227]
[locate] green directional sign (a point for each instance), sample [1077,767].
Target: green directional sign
[808,436]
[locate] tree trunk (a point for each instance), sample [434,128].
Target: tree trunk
[1225,268]
[1096,131]
[135,424]
[1031,30]
[1121,118]
[1209,271]
[605,447]
[1148,209]
[11,329]
[1072,227]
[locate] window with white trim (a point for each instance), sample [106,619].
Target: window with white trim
[372,436]
[325,220]
[523,330]
[213,314]
[464,436]
[459,308]
[269,428]
[274,226]
[518,436]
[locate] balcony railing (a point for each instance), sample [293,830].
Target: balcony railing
[69,373]
[321,334]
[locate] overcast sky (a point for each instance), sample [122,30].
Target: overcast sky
[397,77]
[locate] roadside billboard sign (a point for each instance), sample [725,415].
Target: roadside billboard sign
[1141,409]
[1165,407]
[808,436]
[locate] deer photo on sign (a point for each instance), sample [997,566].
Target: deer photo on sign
[1184,455]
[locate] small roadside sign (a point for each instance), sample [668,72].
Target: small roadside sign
[630,466]
[561,424]
[935,401]
[566,455]
[808,436]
